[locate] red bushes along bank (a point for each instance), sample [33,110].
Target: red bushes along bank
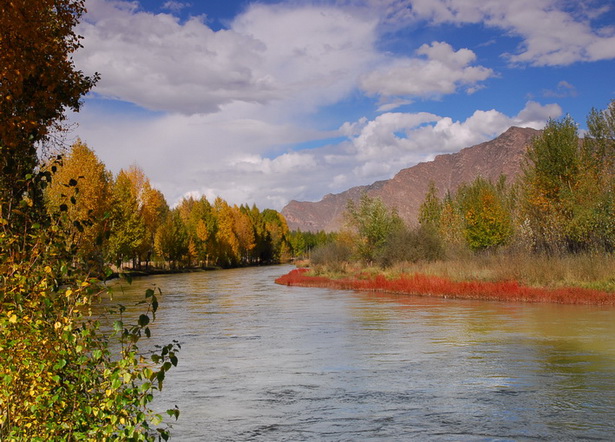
[425,285]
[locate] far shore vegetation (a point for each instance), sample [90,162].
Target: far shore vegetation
[124,222]
[552,228]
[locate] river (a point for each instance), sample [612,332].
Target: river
[263,362]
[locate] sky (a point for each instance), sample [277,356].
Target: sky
[265,102]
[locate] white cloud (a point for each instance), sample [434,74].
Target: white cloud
[440,70]
[562,90]
[551,35]
[307,54]
[175,6]
[393,141]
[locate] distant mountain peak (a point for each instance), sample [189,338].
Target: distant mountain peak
[406,190]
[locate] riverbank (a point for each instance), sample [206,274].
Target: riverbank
[135,273]
[429,285]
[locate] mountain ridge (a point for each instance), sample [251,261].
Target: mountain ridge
[406,190]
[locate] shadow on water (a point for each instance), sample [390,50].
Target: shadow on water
[267,362]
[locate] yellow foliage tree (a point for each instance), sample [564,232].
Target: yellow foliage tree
[81,187]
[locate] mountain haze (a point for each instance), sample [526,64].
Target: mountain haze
[406,190]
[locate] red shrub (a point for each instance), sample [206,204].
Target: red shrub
[418,284]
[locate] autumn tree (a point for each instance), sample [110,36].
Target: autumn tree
[228,243]
[38,82]
[153,212]
[81,187]
[451,222]
[550,180]
[277,232]
[487,222]
[244,230]
[171,240]
[127,224]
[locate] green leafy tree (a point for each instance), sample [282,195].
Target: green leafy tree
[549,181]
[593,204]
[430,211]
[373,223]
[599,143]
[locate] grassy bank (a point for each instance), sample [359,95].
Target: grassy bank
[581,279]
[586,271]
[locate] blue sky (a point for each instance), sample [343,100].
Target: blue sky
[264,102]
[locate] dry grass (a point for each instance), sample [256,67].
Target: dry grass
[593,271]
[588,271]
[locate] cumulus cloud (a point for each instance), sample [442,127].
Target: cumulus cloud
[393,141]
[552,32]
[269,54]
[439,70]
[550,35]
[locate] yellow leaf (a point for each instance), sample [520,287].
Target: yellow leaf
[13,319]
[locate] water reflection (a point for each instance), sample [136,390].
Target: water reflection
[267,362]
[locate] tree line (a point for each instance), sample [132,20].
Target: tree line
[563,203]
[123,220]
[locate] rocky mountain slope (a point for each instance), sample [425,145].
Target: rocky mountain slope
[406,190]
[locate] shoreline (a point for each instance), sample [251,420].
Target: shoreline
[424,285]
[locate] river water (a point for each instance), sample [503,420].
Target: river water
[263,362]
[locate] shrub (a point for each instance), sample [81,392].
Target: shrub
[411,245]
[333,254]
[61,378]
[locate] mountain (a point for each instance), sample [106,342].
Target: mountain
[406,190]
